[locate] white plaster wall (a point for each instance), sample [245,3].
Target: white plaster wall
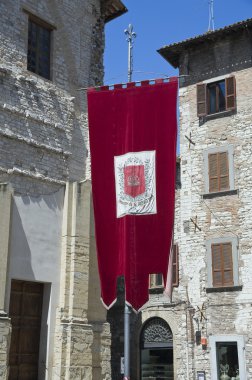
[36,237]
[35,250]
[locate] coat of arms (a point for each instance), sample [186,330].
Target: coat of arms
[135,178]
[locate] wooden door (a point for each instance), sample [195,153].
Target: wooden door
[25,313]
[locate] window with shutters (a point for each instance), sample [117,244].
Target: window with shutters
[216,97]
[222,262]
[219,170]
[156,280]
[39,46]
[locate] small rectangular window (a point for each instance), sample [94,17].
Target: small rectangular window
[216,97]
[227,360]
[156,280]
[227,357]
[222,264]
[39,45]
[218,169]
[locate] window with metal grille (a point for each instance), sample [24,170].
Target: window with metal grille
[222,264]
[216,97]
[39,45]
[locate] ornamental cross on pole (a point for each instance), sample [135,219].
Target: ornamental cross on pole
[130,35]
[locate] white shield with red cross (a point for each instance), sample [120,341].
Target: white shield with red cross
[135,180]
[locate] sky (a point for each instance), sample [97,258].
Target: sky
[159,23]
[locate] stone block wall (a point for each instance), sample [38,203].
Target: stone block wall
[219,313]
[199,218]
[43,123]
[44,147]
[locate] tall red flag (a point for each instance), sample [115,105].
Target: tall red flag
[133,165]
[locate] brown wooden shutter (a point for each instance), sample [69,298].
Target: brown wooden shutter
[223,171]
[216,265]
[230,93]
[213,172]
[222,264]
[175,266]
[201,100]
[218,171]
[227,264]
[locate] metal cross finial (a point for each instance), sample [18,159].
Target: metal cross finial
[130,35]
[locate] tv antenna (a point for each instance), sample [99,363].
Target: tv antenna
[211,15]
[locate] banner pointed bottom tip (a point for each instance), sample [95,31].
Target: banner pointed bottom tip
[110,305]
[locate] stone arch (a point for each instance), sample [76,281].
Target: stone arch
[156,333]
[156,350]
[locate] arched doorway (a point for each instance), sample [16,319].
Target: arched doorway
[156,344]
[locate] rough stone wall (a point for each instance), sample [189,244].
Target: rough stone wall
[227,313]
[43,146]
[43,124]
[218,313]
[82,342]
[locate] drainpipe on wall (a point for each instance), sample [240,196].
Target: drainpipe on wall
[187,346]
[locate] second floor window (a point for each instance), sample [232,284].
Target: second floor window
[222,264]
[218,171]
[39,45]
[216,97]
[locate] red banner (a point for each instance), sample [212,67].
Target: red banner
[133,163]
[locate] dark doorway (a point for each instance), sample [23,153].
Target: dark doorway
[227,359]
[156,351]
[25,312]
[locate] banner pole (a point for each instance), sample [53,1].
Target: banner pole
[126,342]
[130,37]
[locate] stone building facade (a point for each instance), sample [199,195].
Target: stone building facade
[52,325]
[204,331]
